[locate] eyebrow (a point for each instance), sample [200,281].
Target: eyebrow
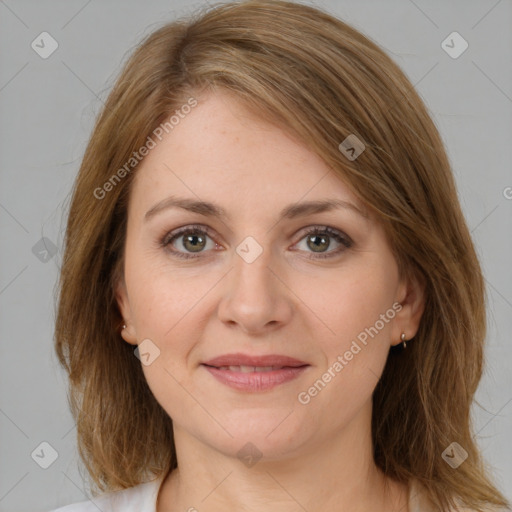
[291,211]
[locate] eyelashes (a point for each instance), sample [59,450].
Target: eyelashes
[318,235]
[198,232]
[322,233]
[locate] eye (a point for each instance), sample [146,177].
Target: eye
[190,241]
[319,239]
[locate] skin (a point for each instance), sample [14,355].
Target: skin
[319,454]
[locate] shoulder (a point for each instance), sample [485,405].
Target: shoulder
[82,506]
[140,498]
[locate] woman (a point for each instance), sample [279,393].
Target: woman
[269,298]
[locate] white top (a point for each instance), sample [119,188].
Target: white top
[142,498]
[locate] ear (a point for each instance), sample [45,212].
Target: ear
[411,296]
[123,303]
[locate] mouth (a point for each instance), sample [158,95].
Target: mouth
[266,362]
[252,369]
[254,374]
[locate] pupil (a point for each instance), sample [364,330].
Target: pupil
[322,240]
[192,239]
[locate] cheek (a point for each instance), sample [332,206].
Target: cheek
[162,298]
[170,309]
[352,302]
[359,311]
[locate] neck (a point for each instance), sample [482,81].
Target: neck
[331,474]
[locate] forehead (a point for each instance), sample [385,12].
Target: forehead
[222,153]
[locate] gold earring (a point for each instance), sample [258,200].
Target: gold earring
[402,337]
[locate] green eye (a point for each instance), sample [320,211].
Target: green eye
[190,241]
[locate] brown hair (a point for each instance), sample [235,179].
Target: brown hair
[321,80]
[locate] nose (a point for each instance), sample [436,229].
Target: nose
[255,297]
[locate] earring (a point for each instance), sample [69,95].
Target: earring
[402,337]
[124,326]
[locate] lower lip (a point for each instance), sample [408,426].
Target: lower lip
[255,381]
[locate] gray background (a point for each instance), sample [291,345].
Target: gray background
[47,111]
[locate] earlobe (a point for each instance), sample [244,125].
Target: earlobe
[128,335]
[127,329]
[412,299]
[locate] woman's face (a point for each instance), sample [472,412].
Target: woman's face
[252,281]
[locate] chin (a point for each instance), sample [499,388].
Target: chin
[274,434]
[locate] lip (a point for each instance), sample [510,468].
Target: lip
[287,369]
[239,359]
